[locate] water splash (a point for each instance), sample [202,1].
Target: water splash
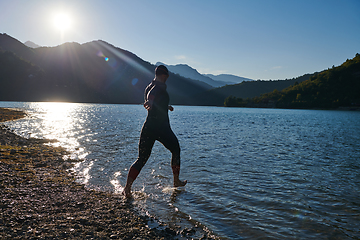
[118,189]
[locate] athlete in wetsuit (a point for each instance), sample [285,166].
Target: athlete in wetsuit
[156,127]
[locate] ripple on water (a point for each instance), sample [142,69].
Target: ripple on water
[252,173]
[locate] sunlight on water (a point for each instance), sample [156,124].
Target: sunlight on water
[252,173]
[83,172]
[116,183]
[59,121]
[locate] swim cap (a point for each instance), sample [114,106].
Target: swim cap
[161,70]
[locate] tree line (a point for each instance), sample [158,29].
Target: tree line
[329,89]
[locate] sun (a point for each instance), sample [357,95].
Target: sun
[62,21]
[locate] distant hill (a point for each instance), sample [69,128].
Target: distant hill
[245,90]
[31,44]
[189,72]
[330,89]
[213,80]
[8,43]
[91,72]
[20,80]
[228,78]
[98,72]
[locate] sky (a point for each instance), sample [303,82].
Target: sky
[257,39]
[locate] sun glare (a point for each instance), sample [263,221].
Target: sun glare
[62,21]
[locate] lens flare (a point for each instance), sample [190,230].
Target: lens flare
[127,59]
[100,54]
[134,81]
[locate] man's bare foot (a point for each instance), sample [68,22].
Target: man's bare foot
[178,183]
[127,193]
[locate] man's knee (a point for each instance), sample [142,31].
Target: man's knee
[175,150]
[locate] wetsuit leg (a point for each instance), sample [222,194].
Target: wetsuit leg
[170,141]
[146,144]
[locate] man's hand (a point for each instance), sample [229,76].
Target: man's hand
[148,105]
[170,108]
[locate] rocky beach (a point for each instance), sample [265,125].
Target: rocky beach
[40,199]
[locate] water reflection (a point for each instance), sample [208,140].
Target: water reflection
[60,121]
[83,172]
[116,183]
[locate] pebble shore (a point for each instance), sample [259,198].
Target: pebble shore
[40,199]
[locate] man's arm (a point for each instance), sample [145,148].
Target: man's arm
[149,100]
[148,105]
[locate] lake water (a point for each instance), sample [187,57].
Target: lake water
[252,173]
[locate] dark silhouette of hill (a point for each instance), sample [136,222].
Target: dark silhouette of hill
[98,72]
[20,80]
[91,72]
[8,43]
[248,89]
[330,89]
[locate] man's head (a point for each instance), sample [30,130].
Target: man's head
[161,70]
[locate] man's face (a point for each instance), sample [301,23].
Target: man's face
[164,77]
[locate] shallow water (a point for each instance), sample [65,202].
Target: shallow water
[252,173]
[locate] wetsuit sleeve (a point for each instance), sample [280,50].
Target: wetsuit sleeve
[151,95]
[147,89]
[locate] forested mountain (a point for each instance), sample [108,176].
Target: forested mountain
[245,90]
[98,72]
[91,72]
[19,79]
[330,89]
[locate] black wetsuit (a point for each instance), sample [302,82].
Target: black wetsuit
[156,127]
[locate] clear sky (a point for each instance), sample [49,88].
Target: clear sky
[258,39]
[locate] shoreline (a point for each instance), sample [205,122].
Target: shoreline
[40,199]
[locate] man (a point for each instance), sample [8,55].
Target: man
[156,127]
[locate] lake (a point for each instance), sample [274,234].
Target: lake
[252,173]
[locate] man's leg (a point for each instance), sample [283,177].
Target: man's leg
[170,141]
[176,174]
[145,146]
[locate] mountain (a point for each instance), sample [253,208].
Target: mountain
[249,89]
[8,43]
[31,44]
[20,80]
[213,80]
[330,89]
[98,72]
[91,72]
[228,78]
[189,72]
